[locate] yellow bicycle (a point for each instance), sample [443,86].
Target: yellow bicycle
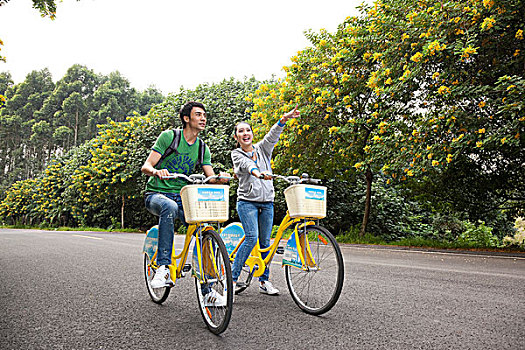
[312,260]
[203,204]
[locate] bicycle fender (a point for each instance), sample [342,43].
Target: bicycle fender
[292,255]
[232,235]
[151,241]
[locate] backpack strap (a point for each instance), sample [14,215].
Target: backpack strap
[173,146]
[177,134]
[202,150]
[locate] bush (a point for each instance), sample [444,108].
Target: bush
[518,240]
[477,236]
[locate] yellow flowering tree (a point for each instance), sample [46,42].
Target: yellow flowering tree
[406,90]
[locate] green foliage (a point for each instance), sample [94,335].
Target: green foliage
[427,97]
[426,91]
[41,120]
[354,237]
[91,183]
[478,236]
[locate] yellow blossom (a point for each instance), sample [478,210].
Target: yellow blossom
[449,158]
[416,57]
[436,46]
[519,34]
[443,90]
[479,144]
[435,163]
[503,140]
[488,3]
[488,23]
[404,36]
[388,81]
[466,52]
[482,104]
[334,129]
[435,75]
[481,131]
[358,165]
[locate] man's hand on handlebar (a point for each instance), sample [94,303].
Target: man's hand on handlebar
[160,173]
[223,178]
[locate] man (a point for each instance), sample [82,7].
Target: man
[163,196]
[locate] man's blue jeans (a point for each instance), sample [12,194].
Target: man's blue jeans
[257,222]
[168,207]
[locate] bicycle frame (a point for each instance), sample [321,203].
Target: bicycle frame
[176,271]
[256,260]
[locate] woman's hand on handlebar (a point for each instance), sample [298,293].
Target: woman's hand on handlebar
[265,176]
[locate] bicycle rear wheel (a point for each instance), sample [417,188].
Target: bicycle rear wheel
[158,295]
[316,289]
[214,285]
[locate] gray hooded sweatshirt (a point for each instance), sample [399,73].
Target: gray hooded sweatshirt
[251,188]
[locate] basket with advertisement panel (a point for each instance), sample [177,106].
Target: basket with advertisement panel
[205,203]
[304,200]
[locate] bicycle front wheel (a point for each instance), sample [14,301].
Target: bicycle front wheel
[316,289]
[213,283]
[158,295]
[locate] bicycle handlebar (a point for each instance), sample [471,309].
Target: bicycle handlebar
[292,179]
[195,178]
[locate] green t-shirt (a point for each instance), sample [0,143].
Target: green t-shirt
[183,163]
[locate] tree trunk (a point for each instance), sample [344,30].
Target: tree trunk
[122,213]
[368,201]
[76,128]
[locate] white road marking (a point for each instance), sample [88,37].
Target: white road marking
[82,236]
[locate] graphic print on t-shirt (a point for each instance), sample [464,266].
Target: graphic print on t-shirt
[182,163]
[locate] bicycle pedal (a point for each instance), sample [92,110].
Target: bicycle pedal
[186,268]
[280,250]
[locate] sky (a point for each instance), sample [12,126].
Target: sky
[165,43]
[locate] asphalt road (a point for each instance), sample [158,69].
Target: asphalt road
[85,290]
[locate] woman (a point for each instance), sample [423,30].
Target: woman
[255,195]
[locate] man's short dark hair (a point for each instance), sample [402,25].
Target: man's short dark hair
[186,110]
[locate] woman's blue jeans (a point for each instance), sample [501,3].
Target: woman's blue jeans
[168,207]
[257,222]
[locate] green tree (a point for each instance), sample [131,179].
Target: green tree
[148,98]
[18,159]
[112,174]
[71,101]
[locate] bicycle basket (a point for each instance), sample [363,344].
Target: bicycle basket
[306,200]
[205,203]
